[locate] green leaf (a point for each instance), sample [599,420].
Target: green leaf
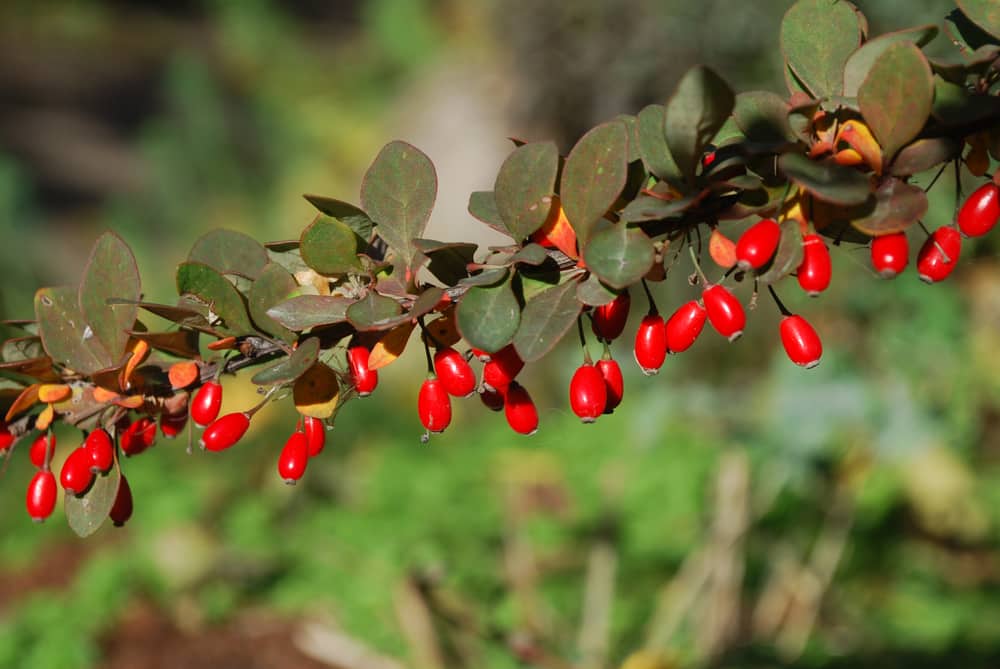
[67,337]
[86,514]
[448,261]
[524,187]
[111,272]
[648,208]
[230,252]
[619,255]
[398,192]
[984,13]
[272,287]
[546,318]
[594,176]
[695,113]
[924,154]
[651,132]
[217,292]
[488,316]
[488,277]
[483,207]
[292,367]
[896,96]
[632,126]
[763,117]
[594,293]
[309,311]
[181,315]
[898,205]
[369,312]
[330,247]
[860,63]
[19,349]
[788,257]
[826,180]
[817,38]
[355,218]
[531,254]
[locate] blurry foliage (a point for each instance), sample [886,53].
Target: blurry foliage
[900,421]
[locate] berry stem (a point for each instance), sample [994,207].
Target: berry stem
[935,179]
[649,296]
[697,265]
[427,350]
[260,405]
[777,300]
[583,341]
[958,185]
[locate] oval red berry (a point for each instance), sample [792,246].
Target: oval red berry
[980,211]
[815,269]
[455,372]
[939,255]
[294,457]
[609,319]
[684,326]
[724,311]
[801,342]
[520,410]
[890,254]
[650,348]
[206,404]
[434,405]
[225,431]
[41,497]
[756,246]
[364,378]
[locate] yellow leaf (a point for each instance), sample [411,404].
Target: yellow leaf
[316,392]
[103,395]
[45,418]
[388,349]
[53,392]
[140,351]
[856,135]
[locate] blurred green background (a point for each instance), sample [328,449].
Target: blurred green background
[735,512]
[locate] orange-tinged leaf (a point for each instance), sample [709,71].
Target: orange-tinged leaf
[24,401]
[103,395]
[557,232]
[388,349]
[223,344]
[44,419]
[316,392]
[53,392]
[444,329]
[140,351]
[796,208]
[848,157]
[722,249]
[856,135]
[183,374]
[130,402]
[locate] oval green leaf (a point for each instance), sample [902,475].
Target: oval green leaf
[594,293]
[546,319]
[292,367]
[826,180]
[924,154]
[86,514]
[788,257]
[330,247]
[230,252]
[355,218]
[897,95]
[524,187]
[209,286]
[66,336]
[695,113]
[272,287]
[594,176]
[372,311]
[647,208]
[651,132]
[984,13]
[309,311]
[762,116]
[817,38]
[483,207]
[619,255]
[898,205]
[860,63]
[111,272]
[488,316]
[398,192]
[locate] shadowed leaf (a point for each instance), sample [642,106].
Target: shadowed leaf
[290,368]
[898,205]
[984,13]
[354,217]
[860,63]
[545,320]
[826,180]
[217,292]
[483,207]
[651,133]
[86,514]
[763,117]
[488,317]
[924,154]
[524,187]
[309,311]
[316,392]
[230,252]
[788,256]
[272,287]
[366,313]
[594,293]
[695,113]
[594,176]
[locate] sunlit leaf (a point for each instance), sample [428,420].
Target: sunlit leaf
[392,344]
[344,212]
[366,313]
[111,272]
[524,187]
[272,287]
[309,311]
[488,316]
[217,292]
[817,38]
[86,514]
[290,368]
[316,392]
[594,176]
[619,255]
[230,252]
[896,96]
[860,63]
[67,337]
[695,113]
[546,318]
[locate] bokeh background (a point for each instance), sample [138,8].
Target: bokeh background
[735,512]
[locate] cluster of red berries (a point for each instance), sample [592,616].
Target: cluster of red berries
[939,254]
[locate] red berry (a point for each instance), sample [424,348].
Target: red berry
[225,431]
[171,426]
[434,405]
[492,399]
[37,452]
[121,510]
[609,319]
[138,436]
[684,326]
[814,271]
[363,378]
[75,475]
[725,312]
[41,498]
[100,450]
[614,384]
[939,254]
[890,254]
[587,393]
[756,246]
[294,458]
[6,438]
[206,404]
[503,367]
[801,342]
[315,435]
[455,372]
[520,410]
[651,344]
[981,211]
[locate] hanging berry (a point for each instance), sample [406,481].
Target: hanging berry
[939,255]
[890,254]
[650,348]
[815,269]
[756,246]
[520,410]
[724,311]
[801,342]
